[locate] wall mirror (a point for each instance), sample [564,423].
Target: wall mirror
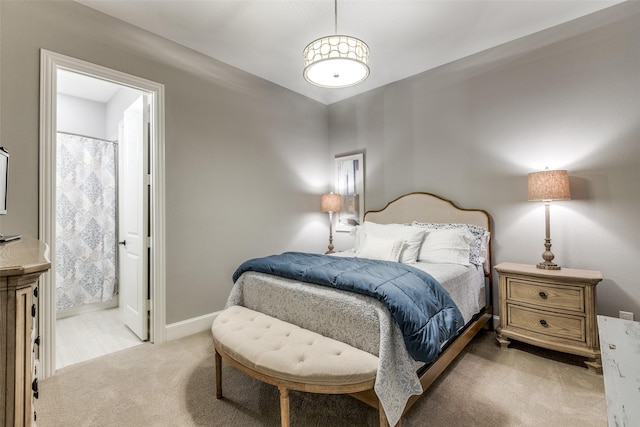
[349,184]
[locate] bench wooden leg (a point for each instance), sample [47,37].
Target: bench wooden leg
[284,406]
[218,375]
[383,416]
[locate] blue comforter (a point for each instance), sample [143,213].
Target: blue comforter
[425,312]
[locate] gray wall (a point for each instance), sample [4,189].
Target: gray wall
[81,116]
[242,174]
[567,98]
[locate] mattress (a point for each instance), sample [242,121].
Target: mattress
[359,320]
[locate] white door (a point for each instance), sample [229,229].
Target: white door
[133,198]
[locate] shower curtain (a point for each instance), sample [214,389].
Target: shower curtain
[86,245]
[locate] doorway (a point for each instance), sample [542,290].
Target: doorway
[130,97]
[97,124]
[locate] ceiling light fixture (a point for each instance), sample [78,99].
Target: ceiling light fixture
[336,61]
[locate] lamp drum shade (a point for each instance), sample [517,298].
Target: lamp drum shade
[549,185]
[331,202]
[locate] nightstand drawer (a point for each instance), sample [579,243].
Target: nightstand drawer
[546,295]
[569,327]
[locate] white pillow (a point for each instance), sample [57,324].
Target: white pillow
[448,246]
[479,244]
[411,236]
[411,247]
[379,248]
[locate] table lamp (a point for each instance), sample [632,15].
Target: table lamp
[546,186]
[331,203]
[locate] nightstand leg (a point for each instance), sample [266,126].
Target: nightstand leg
[594,365]
[504,342]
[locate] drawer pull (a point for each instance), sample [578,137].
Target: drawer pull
[33,310]
[34,387]
[543,295]
[544,323]
[35,292]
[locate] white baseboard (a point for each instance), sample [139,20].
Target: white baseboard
[86,308]
[496,321]
[188,327]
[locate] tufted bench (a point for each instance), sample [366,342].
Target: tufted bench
[289,357]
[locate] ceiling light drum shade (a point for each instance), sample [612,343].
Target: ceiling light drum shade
[331,202]
[549,185]
[336,61]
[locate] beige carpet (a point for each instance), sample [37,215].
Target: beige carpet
[173,384]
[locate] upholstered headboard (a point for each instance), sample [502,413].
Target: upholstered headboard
[426,207]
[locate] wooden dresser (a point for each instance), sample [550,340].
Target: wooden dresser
[555,309]
[21,263]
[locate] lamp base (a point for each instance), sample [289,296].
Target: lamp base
[330,247]
[548,266]
[548,257]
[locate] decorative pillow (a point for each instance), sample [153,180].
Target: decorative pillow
[379,248]
[450,246]
[411,237]
[479,245]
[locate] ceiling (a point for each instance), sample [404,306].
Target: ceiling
[81,86]
[266,37]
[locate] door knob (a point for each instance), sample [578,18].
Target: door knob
[123,243]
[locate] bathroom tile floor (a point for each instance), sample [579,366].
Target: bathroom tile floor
[90,335]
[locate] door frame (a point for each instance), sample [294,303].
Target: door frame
[50,62]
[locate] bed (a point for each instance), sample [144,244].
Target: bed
[365,322]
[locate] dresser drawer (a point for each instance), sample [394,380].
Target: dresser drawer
[546,295]
[547,323]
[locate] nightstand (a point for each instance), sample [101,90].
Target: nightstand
[554,309]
